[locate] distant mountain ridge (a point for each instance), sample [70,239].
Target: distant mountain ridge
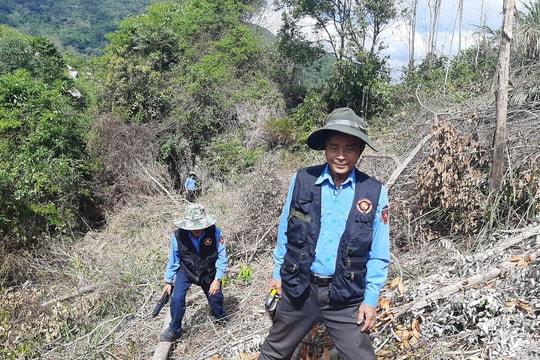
[80,26]
[77,26]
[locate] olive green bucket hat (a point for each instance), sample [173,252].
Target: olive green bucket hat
[195,218]
[342,120]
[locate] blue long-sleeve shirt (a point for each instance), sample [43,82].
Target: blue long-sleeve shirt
[190,183]
[335,207]
[175,259]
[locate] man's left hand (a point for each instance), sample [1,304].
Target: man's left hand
[214,287]
[368,314]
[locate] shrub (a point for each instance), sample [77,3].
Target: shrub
[451,182]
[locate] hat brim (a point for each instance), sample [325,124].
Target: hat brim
[196,224]
[317,139]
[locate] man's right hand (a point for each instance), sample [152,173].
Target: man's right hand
[275,284]
[167,288]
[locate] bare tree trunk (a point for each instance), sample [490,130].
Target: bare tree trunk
[412,33]
[435,13]
[499,139]
[460,14]
[484,39]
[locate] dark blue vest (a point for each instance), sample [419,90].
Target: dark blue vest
[304,224]
[198,267]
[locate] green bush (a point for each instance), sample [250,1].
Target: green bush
[228,157]
[43,163]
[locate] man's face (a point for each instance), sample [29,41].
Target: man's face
[342,152]
[196,233]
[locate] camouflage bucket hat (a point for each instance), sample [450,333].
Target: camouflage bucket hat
[342,120]
[195,218]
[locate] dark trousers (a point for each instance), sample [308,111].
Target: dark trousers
[178,302]
[296,316]
[191,195]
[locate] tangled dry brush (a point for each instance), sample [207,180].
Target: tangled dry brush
[458,287]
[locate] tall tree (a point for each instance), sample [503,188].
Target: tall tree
[412,32]
[460,15]
[435,13]
[343,26]
[350,31]
[499,139]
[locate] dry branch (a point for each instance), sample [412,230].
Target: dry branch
[403,165]
[523,234]
[84,290]
[483,277]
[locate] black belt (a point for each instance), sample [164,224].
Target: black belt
[320,280]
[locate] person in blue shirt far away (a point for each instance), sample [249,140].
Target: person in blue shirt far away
[190,186]
[197,256]
[332,253]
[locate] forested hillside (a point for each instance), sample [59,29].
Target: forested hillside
[94,151]
[75,26]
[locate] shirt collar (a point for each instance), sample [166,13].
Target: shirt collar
[326,175]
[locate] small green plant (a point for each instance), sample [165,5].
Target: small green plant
[245,274]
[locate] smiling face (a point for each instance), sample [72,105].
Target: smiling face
[342,152]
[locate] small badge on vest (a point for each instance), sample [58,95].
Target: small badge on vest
[385,215]
[364,206]
[207,242]
[300,216]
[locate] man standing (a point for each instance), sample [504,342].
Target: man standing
[197,256]
[191,186]
[332,252]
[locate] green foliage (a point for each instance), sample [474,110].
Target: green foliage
[135,92]
[526,40]
[362,86]
[76,26]
[292,131]
[280,132]
[196,51]
[460,77]
[316,74]
[360,77]
[185,65]
[519,197]
[37,55]
[43,167]
[245,274]
[228,157]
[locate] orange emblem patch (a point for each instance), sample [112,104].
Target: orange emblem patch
[207,241]
[221,240]
[364,206]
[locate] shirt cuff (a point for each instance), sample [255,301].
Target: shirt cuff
[371,299]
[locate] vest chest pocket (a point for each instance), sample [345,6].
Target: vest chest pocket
[362,233]
[299,220]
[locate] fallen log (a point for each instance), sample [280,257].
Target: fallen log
[524,234]
[163,348]
[460,285]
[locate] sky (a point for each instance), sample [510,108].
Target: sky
[475,14]
[394,37]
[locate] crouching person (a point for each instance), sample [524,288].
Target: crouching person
[197,256]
